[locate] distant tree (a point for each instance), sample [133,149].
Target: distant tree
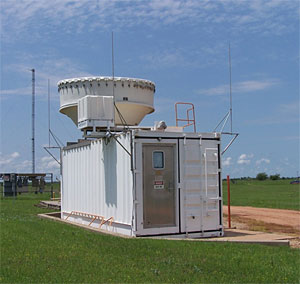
[261,176]
[245,178]
[275,177]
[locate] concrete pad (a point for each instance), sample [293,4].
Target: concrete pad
[54,216]
[231,235]
[253,237]
[54,204]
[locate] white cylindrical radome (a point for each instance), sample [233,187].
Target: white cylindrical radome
[133,97]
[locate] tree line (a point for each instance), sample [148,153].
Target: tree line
[264,176]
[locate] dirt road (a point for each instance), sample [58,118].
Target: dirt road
[279,219]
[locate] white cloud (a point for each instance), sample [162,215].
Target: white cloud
[6,161]
[291,138]
[240,87]
[286,162]
[275,119]
[190,56]
[251,86]
[287,113]
[227,162]
[22,91]
[46,159]
[15,155]
[19,16]
[49,165]
[54,69]
[24,166]
[290,108]
[263,160]
[162,104]
[165,58]
[245,159]
[13,163]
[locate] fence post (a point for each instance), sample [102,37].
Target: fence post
[228,201]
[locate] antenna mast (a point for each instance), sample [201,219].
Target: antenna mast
[33,118]
[223,122]
[49,110]
[113,63]
[113,79]
[229,58]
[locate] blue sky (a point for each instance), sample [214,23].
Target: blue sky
[182,46]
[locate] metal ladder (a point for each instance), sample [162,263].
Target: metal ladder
[206,174]
[202,200]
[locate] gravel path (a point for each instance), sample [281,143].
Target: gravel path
[282,217]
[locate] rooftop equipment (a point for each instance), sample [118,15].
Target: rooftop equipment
[96,111]
[133,98]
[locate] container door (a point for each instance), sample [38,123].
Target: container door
[201,192]
[159,190]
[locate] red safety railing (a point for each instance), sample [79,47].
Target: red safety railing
[190,115]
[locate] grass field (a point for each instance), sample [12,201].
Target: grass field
[35,250]
[265,194]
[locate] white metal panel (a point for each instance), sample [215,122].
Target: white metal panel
[165,134]
[200,185]
[192,205]
[97,179]
[96,111]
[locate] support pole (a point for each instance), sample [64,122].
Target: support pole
[228,202]
[33,120]
[49,134]
[229,57]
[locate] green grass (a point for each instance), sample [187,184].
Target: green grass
[265,194]
[35,250]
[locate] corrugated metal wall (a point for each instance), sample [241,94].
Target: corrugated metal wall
[97,179]
[200,177]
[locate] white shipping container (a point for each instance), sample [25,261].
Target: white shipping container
[146,182]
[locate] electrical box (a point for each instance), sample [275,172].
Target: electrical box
[96,112]
[10,182]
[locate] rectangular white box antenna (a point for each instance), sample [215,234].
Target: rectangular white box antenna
[96,111]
